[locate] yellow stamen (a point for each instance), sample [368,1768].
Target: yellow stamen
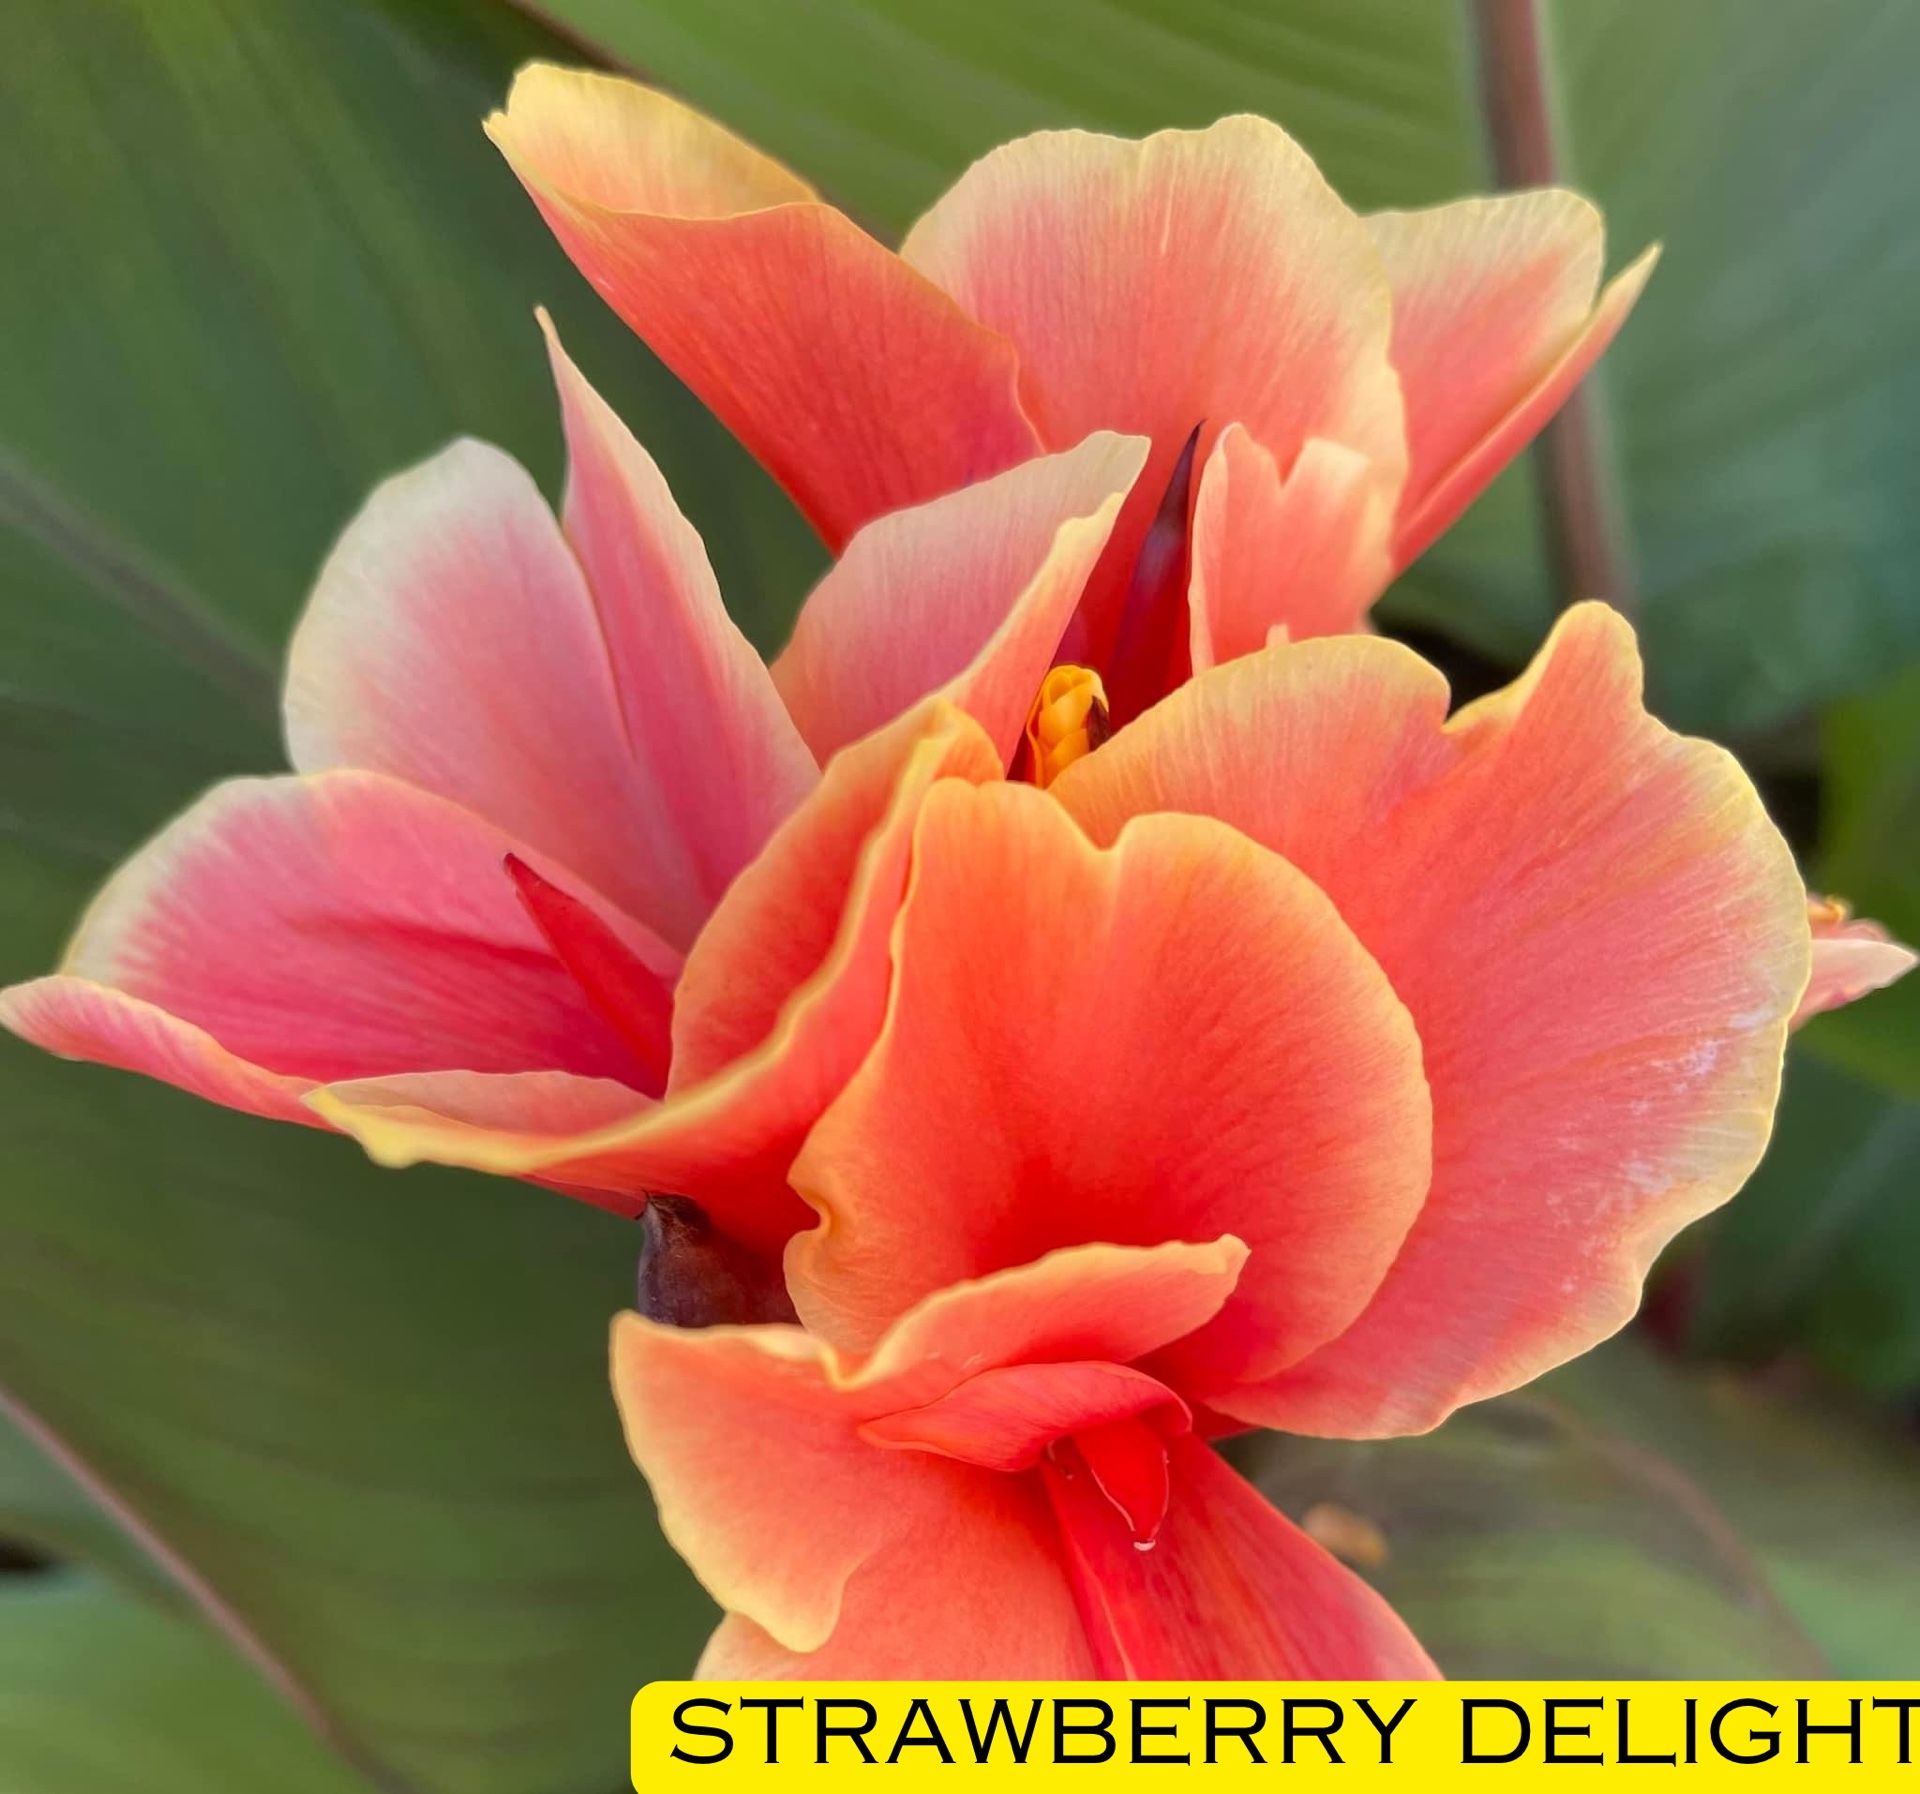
[1068,719]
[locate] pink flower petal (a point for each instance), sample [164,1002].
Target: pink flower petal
[1283,559]
[342,925]
[1852,957]
[1004,1418]
[616,721]
[1494,361]
[861,1558]
[858,384]
[1194,277]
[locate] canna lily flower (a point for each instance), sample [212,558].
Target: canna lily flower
[1302,1057]
[562,856]
[1324,392]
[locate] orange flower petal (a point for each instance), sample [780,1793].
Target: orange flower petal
[1173,1040]
[858,384]
[781,995]
[1600,937]
[1852,957]
[861,1558]
[1283,559]
[708,1412]
[294,930]
[1193,277]
[1230,1588]
[967,594]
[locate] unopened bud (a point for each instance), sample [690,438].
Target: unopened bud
[692,1275]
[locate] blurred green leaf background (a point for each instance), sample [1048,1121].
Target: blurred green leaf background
[335,1499]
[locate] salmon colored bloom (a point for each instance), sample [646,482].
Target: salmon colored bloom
[1303,1057]
[560,857]
[1324,392]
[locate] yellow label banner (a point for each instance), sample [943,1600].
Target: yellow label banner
[718,1735]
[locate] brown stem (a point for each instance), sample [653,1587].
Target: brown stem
[1582,513]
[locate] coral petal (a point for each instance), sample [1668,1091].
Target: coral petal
[1174,1040]
[781,995]
[967,594]
[858,383]
[340,925]
[1305,556]
[850,1546]
[625,993]
[1148,286]
[80,1019]
[1487,294]
[1005,1417]
[1600,937]
[1452,487]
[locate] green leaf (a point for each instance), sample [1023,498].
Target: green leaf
[1826,1502]
[1871,820]
[1627,1519]
[1518,1540]
[1816,1256]
[46,1513]
[1766,399]
[1817,1253]
[258,257]
[103,1694]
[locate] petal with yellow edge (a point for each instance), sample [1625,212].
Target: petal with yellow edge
[780,997]
[1283,559]
[857,383]
[967,594]
[1195,277]
[1600,938]
[1174,1039]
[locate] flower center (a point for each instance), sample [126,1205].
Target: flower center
[1069,718]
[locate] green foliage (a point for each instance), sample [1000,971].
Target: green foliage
[102,1694]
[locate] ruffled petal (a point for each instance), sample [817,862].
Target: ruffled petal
[1285,559]
[342,925]
[780,998]
[1172,1040]
[968,594]
[1600,937]
[977,1595]
[1852,957]
[856,382]
[1193,277]
[1230,1589]
[1081,1303]
[908,1562]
